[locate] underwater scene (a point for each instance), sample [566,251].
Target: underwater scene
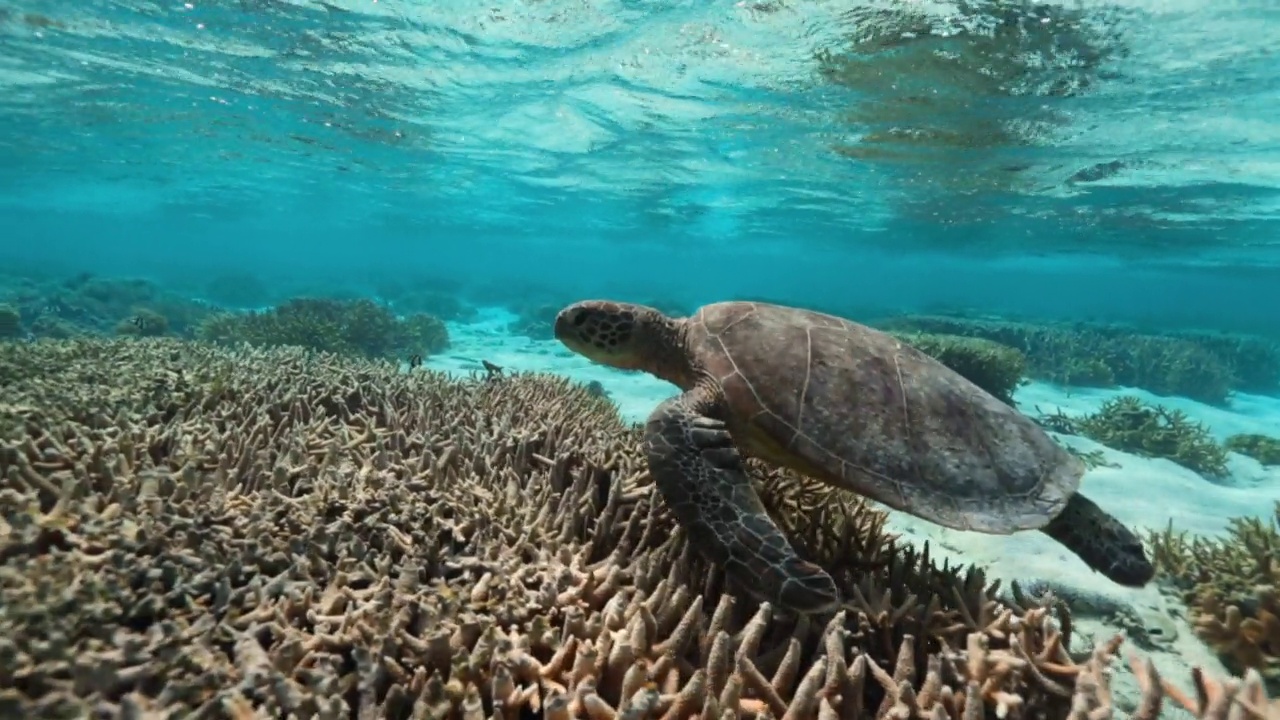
[602,359]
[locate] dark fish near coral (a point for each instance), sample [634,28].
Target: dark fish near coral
[415,361]
[140,322]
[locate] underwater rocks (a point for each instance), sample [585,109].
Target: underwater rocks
[187,530]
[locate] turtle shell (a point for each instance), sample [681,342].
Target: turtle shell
[858,408]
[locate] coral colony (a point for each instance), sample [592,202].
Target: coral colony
[275,532]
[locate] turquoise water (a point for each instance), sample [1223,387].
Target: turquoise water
[1073,205]
[1076,159]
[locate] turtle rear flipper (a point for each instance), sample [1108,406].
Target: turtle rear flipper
[699,472]
[1102,541]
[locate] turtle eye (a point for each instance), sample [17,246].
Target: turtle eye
[579,318]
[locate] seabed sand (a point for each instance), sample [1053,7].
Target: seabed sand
[1144,493]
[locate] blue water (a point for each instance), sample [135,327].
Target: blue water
[1065,165]
[1105,160]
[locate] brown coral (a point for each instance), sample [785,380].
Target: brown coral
[195,531]
[1232,585]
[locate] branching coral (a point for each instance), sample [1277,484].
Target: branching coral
[1232,585]
[1265,450]
[211,531]
[143,323]
[193,531]
[424,334]
[996,368]
[1126,423]
[360,328]
[1198,366]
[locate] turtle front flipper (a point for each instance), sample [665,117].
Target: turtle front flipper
[1102,541]
[700,474]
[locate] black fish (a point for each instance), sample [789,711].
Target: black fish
[415,361]
[140,322]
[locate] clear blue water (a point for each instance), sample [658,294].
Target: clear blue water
[1077,159]
[1094,162]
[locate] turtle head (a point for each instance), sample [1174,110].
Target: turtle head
[623,335]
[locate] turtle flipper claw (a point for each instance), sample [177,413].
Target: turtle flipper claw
[699,472]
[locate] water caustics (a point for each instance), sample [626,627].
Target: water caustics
[1139,126]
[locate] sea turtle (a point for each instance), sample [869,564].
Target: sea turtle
[844,404]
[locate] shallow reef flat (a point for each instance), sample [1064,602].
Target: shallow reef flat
[193,531]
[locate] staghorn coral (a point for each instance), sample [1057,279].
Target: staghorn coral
[1232,585]
[996,368]
[1127,424]
[1253,362]
[198,531]
[423,334]
[1233,699]
[359,328]
[1265,450]
[1200,367]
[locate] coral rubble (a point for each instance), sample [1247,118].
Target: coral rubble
[188,530]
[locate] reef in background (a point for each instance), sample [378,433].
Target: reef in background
[998,369]
[203,531]
[1198,365]
[360,328]
[1127,424]
[90,306]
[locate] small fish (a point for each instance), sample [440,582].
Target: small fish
[140,322]
[415,361]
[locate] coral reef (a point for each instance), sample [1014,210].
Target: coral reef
[204,532]
[1199,366]
[1254,363]
[996,368]
[360,328]
[10,322]
[88,305]
[424,334]
[143,323]
[1127,424]
[1232,585]
[1265,450]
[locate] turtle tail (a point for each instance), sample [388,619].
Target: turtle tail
[1102,542]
